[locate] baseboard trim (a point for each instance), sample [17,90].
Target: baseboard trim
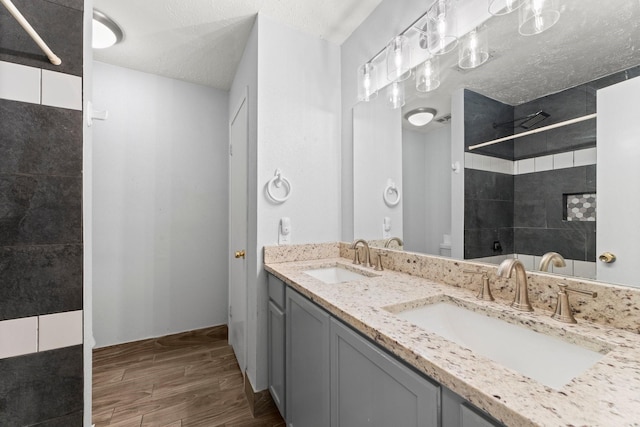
[260,402]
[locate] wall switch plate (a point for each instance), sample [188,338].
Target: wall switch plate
[386,227]
[284,231]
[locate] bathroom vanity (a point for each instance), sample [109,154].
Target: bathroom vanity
[341,353]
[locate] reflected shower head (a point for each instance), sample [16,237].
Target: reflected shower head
[526,122]
[533,119]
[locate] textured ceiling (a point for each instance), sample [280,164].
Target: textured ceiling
[202,41]
[592,39]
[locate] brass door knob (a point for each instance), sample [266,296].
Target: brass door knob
[607,257]
[240,254]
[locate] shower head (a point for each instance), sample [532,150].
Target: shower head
[533,119]
[526,122]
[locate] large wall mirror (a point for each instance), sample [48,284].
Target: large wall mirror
[523,197]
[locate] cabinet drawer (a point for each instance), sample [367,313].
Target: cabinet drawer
[276,291]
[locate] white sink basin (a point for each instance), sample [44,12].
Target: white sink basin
[336,274]
[546,359]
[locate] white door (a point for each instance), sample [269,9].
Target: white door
[618,182]
[238,134]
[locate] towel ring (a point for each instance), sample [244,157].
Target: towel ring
[277,181]
[388,192]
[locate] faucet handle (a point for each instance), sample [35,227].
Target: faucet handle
[563,312]
[378,262]
[485,291]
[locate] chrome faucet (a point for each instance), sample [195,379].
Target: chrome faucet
[521,298]
[555,257]
[393,239]
[356,257]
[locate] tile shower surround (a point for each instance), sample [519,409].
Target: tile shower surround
[41,215]
[529,218]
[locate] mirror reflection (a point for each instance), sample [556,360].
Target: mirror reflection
[522,197]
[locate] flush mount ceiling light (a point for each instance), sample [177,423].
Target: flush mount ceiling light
[106,33]
[420,116]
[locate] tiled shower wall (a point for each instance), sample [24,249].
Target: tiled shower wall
[41,360]
[541,169]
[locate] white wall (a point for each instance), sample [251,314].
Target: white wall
[298,131]
[427,187]
[159,206]
[377,144]
[386,21]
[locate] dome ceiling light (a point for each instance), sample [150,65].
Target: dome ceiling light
[106,32]
[420,116]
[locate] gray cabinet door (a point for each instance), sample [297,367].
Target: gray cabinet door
[276,356]
[457,412]
[371,388]
[307,363]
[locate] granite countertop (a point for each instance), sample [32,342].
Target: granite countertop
[607,394]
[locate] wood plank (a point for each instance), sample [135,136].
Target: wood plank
[183,380]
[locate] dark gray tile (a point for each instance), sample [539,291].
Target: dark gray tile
[40,280]
[41,386]
[480,114]
[487,185]
[59,26]
[488,214]
[571,244]
[40,210]
[35,139]
[530,213]
[71,420]
[478,243]
[74,4]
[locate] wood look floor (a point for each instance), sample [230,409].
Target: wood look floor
[184,380]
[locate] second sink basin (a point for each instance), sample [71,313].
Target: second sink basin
[547,359]
[335,274]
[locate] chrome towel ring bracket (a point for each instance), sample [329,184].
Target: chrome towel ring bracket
[278,181]
[391,194]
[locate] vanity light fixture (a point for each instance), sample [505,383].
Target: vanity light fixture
[367,82]
[474,48]
[395,94]
[428,75]
[106,32]
[398,58]
[504,7]
[442,22]
[536,16]
[420,116]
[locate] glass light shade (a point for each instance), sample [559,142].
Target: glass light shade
[367,82]
[395,94]
[428,75]
[536,16]
[420,116]
[474,48]
[503,7]
[105,32]
[399,58]
[442,25]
